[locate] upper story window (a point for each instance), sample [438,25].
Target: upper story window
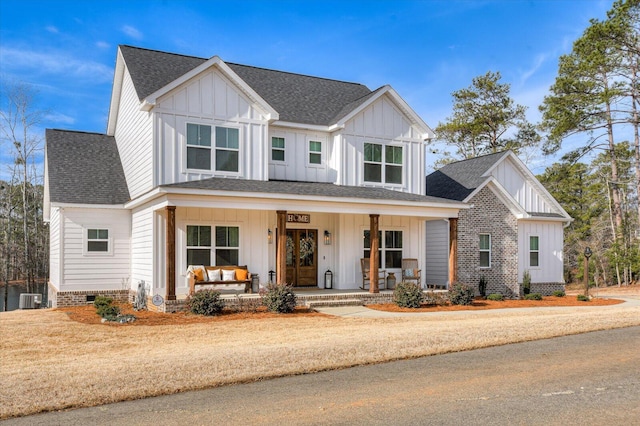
[277,149]
[199,152]
[379,169]
[485,250]
[534,251]
[315,152]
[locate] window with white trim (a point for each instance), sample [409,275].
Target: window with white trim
[227,246]
[315,152]
[390,250]
[534,250]
[97,240]
[277,149]
[485,250]
[377,169]
[198,146]
[227,149]
[198,245]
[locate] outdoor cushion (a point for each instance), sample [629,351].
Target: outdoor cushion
[213,274]
[241,274]
[198,273]
[408,272]
[228,275]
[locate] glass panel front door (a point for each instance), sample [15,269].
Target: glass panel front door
[302,262]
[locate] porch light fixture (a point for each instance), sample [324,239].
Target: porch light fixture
[327,238]
[269,236]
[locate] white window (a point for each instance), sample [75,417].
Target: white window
[277,149]
[225,246]
[390,250]
[315,152]
[198,245]
[198,146]
[534,253]
[485,250]
[227,149]
[199,152]
[98,241]
[377,169]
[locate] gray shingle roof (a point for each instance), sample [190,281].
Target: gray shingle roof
[306,189]
[84,168]
[297,98]
[456,181]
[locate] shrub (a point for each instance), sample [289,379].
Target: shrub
[109,312]
[533,296]
[102,301]
[408,295]
[583,298]
[461,294]
[279,298]
[482,286]
[205,302]
[559,293]
[526,282]
[433,298]
[495,296]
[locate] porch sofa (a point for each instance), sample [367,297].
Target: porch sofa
[230,277]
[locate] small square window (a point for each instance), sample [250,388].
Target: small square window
[98,240]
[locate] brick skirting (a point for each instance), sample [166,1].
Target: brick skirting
[546,289]
[63,299]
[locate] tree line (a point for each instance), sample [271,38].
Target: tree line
[594,100]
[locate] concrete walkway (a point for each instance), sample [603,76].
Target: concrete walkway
[364,312]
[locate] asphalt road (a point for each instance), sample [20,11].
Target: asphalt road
[586,379]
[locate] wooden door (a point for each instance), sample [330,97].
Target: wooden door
[302,257]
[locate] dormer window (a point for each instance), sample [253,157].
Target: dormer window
[315,152]
[378,170]
[200,153]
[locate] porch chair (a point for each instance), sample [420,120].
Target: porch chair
[382,280]
[410,271]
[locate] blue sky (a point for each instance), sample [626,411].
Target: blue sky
[424,49]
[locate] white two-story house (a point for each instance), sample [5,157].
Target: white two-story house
[206,162]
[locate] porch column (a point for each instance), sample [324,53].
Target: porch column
[170,251]
[453,250]
[281,250]
[373,256]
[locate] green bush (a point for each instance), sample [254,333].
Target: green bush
[495,296]
[408,295]
[279,298]
[205,302]
[533,296]
[461,294]
[583,298]
[101,301]
[559,293]
[482,286]
[526,282]
[109,312]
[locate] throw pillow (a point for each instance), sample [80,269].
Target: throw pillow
[213,274]
[198,273]
[241,274]
[408,273]
[228,275]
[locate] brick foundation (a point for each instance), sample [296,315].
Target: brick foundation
[546,289]
[63,299]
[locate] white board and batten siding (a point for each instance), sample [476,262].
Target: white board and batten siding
[85,271]
[134,139]
[296,165]
[142,247]
[437,252]
[382,123]
[550,240]
[520,188]
[55,253]
[208,99]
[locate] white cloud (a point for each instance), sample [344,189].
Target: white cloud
[53,63]
[52,29]
[60,118]
[103,45]
[132,32]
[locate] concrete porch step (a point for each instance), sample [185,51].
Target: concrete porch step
[332,302]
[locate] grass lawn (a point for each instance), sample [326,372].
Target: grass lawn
[51,360]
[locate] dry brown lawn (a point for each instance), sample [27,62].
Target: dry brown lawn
[51,361]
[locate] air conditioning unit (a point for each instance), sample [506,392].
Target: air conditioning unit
[30,301]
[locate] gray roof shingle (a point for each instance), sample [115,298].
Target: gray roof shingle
[456,181]
[306,189]
[297,98]
[84,168]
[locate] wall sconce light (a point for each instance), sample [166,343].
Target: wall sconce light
[327,238]
[269,236]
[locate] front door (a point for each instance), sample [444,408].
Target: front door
[302,258]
